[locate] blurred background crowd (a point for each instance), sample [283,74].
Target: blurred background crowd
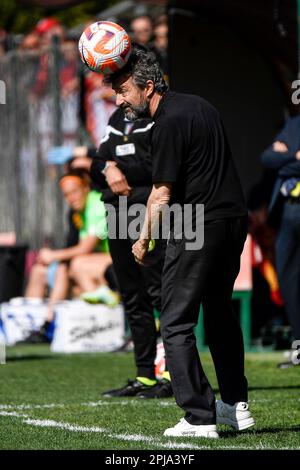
[56,113]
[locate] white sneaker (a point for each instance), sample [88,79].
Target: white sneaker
[185,429]
[237,415]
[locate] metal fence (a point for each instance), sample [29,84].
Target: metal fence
[41,111]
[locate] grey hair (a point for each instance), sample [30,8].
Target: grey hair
[142,66]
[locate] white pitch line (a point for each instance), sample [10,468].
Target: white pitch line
[49,423]
[113,402]
[12,413]
[46,423]
[24,406]
[31,407]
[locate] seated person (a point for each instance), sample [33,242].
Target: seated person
[84,262]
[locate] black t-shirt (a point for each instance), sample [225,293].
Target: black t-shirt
[190,149]
[128,144]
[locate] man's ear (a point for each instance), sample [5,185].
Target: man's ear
[150,88]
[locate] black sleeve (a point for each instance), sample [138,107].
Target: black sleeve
[100,157]
[138,173]
[290,170]
[96,168]
[276,160]
[167,150]
[92,152]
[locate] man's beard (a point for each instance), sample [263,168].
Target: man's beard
[140,111]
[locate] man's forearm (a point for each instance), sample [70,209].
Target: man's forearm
[155,206]
[151,221]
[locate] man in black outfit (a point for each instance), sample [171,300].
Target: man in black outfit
[284,212]
[123,167]
[192,164]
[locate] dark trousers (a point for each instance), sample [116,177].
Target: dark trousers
[204,276]
[140,288]
[288,264]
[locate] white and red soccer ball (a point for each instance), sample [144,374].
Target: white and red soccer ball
[104,47]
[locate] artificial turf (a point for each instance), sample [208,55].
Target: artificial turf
[53,401]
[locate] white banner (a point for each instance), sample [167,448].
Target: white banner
[20,317]
[81,327]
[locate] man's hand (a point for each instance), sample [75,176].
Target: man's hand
[116,180]
[280,147]
[298,155]
[46,256]
[139,250]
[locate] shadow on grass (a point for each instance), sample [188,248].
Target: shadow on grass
[275,387]
[267,387]
[255,432]
[29,357]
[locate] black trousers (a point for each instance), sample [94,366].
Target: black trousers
[192,278]
[288,264]
[140,288]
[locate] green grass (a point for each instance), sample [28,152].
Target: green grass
[71,386]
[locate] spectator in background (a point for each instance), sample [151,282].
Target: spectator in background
[42,90]
[46,28]
[85,262]
[284,211]
[98,103]
[159,45]
[3,42]
[267,310]
[30,42]
[142,29]
[53,278]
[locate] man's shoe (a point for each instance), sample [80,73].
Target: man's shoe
[163,389]
[238,415]
[185,429]
[132,388]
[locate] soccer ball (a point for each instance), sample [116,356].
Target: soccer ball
[104,47]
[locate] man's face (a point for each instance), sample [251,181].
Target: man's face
[132,99]
[142,30]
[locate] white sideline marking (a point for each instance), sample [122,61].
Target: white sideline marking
[24,406]
[88,404]
[44,423]
[31,407]
[49,423]
[12,413]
